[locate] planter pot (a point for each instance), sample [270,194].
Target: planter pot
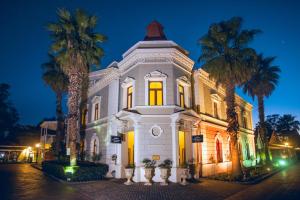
[149,173]
[129,175]
[184,175]
[164,175]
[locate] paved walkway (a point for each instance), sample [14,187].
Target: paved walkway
[21,181]
[284,185]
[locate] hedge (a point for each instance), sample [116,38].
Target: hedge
[86,171]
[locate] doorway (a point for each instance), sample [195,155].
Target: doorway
[130,143]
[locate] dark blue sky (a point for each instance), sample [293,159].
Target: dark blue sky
[24,40]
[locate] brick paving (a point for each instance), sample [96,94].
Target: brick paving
[21,181]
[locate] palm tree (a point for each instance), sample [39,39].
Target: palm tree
[58,81]
[261,85]
[77,48]
[228,60]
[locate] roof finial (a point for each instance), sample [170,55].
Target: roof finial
[155,31]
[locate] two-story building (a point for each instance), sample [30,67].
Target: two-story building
[146,98]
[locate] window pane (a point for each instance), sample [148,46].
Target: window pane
[180,89]
[155,85]
[129,101]
[159,98]
[129,90]
[151,97]
[181,101]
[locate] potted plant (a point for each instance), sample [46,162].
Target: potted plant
[184,173]
[149,170]
[129,170]
[192,168]
[165,167]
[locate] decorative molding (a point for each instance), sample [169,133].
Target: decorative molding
[128,81]
[112,74]
[155,75]
[184,80]
[216,97]
[154,55]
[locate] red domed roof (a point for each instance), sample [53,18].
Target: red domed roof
[155,31]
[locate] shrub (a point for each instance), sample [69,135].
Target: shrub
[85,171]
[166,164]
[149,163]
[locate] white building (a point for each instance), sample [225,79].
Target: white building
[146,98]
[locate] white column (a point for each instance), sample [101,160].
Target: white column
[137,159]
[175,176]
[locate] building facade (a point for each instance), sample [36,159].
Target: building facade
[146,98]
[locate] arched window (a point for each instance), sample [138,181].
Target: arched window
[94,146]
[247,150]
[219,151]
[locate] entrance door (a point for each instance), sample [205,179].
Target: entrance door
[130,139]
[181,143]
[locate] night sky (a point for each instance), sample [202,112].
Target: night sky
[25,41]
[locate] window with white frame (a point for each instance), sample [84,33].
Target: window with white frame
[155,89]
[216,105]
[96,108]
[183,92]
[128,86]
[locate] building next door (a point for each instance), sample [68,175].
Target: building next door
[181,144]
[130,143]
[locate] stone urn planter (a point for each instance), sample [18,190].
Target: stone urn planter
[164,175]
[149,170]
[149,173]
[184,176]
[165,167]
[129,174]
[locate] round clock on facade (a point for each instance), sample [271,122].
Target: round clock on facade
[155,131]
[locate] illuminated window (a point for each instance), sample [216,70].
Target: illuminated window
[181,96]
[215,105]
[129,97]
[155,93]
[181,141]
[219,151]
[96,112]
[130,137]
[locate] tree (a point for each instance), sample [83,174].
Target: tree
[228,60]
[77,48]
[8,113]
[58,81]
[261,85]
[287,122]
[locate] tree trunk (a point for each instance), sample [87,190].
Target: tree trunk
[83,110]
[74,91]
[232,129]
[262,127]
[60,123]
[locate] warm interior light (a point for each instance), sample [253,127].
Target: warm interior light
[130,137]
[37,145]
